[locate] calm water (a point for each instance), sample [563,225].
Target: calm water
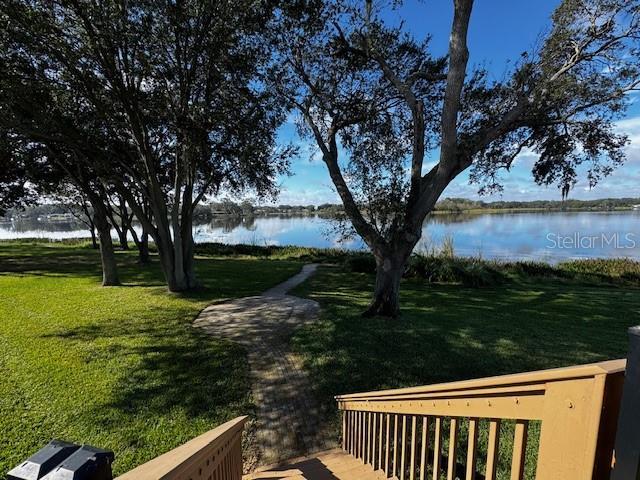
[551,236]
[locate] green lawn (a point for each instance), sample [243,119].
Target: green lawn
[121,367]
[449,332]
[117,367]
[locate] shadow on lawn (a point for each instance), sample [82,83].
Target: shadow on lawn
[42,259]
[170,366]
[450,332]
[221,277]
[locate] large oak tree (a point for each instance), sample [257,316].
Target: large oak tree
[177,86]
[396,125]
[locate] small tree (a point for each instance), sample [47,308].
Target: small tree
[75,202]
[378,105]
[121,218]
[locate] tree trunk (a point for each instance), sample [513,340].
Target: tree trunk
[391,261]
[143,249]
[169,232]
[142,244]
[123,238]
[109,266]
[386,295]
[188,249]
[176,257]
[94,240]
[173,272]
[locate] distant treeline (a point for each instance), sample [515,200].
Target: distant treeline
[446,205]
[463,204]
[246,208]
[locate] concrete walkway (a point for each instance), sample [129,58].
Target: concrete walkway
[287,412]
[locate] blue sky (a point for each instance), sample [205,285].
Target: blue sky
[499,31]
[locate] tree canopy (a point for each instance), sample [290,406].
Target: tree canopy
[380,108]
[169,101]
[162,104]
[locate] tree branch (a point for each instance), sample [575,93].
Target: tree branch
[458,58]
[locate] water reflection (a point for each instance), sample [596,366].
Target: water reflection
[530,235]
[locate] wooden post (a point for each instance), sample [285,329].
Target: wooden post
[627,449]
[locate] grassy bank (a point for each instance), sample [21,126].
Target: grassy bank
[121,367]
[117,367]
[451,332]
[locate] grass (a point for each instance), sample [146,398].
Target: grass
[121,367]
[118,367]
[450,332]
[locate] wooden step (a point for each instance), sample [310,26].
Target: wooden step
[330,465]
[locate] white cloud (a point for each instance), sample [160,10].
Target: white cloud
[315,195]
[631,128]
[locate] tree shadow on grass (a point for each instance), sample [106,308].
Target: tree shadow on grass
[162,368]
[221,277]
[449,332]
[52,260]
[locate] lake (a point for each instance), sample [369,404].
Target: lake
[550,236]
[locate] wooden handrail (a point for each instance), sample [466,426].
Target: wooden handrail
[216,454]
[575,405]
[528,378]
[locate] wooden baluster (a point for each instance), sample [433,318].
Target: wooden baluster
[363,432]
[412,465]
[404,447]
[354,432]
[395,445]
[381,420]
[425,448]
[374,440]
[472,449]
[492,449]
[386,450]
[357,436]
[354,446]
[348,432]
[371,440]
[362,435]
[519,449]
[367,435]
[344,430]
[363,455]
[437,447]
[351,431]
[453,443]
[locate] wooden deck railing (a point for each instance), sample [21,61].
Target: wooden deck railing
[215,455]
[415,433]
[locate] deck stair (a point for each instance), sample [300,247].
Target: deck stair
[574,423]
[329,465]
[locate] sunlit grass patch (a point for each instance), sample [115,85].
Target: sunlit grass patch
[117,367]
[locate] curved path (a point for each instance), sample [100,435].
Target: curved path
[287,412]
